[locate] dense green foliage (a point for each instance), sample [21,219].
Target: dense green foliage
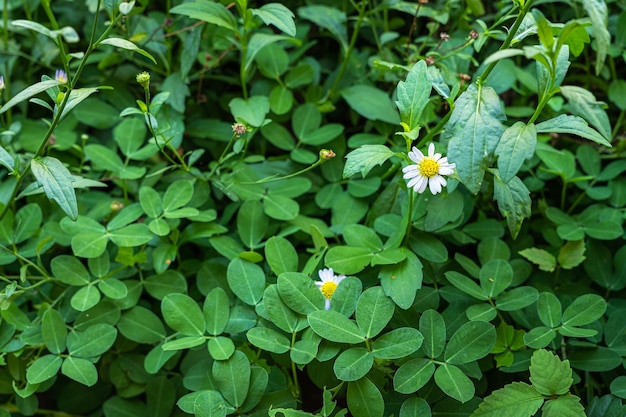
[176,177]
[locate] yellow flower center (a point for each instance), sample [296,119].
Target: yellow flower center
[328,288]
[428,167]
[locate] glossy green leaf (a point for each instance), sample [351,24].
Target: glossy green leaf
[141,325]
[54,331]
[413,375]
[85,298]
[413,95]
[214,13]
[415,407]
[303,351]
[160,285]
[257,42]
[246,280]
[516,144]
[252,223]
[539,337]
[113,288]
[572,254]
[150,202]
[567,405]
[517,298]
[277,15]
[56,181]
[329,18]
[353,364]
[574,125]
[472,341]
[268,339]
[433,328]
[282,316]
[364,399]
[364,158]
[473,130]
[467,285]
[299,292]
[402,280]
[93,341]
[398,343]
[281,255]
[80,370]
[335,327]
[599,14]
[454,383]
[371,103]
[279,207]
[548,374]
[584,104]
[221,348]
[43,368]
[128,45]
[348,259]
[69,270]
[216,311]
[183,314]
[584,310]
[232,378]
[517,399]
[29,92]
[514,203]
[373,311]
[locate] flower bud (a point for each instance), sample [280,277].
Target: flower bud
[239,129]
[326,154]
[143,78]
[60,76]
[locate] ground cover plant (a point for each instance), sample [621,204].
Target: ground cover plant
[358,208]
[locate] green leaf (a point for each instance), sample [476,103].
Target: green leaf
[549,374]
[251,111]
[398,343]
[373,311]
[598,14]
[402,280]
[618,386]
[43,368]
[257,42]
[584,310]
[454,383]
[415,407]
[69,270]
[353,364]
[216,311]
[268,339]
[183,314]
[335,327]
[544,259]
[598,359]
[495,276]
[211,12]
[564,406]
[280,207]
[136,234]
[128,45]
[371,103]
[572,254]
[365,158]
[573,125]
[516,144]
[278,15]
[303,351]
[513,202]
[433,328]
[29,92]
[187,342]
[364,399]
[252,223]
[413,375]
[584,104]
[121,407]
[80,370]
[113,288]
[281,255]
[259,379]
[473,130]
[141,325]
[77,96]
[467,285]
[177,195]
[85,298]
[232,377]
[413,95]
[472,341]
[280,315]
[539,337]
[94,341]
[161,396]
[347,259]
[54,331]
[549,309]
[56,181]
[329,18]
[6,159]
[299,292]
[514,400]
[246,280]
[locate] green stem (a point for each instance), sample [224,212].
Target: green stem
[438,127]
[294,373]
[507,42]
[409,223]
[353,39]
[271,179]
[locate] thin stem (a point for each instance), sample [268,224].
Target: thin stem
[409,223]
[294,373]
[507,42]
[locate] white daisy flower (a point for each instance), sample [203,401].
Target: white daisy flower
[328,283]
[427,171]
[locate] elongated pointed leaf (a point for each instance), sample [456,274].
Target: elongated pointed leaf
[128,45]
[56,181]
[183,314]
[208,11]
[335,327]
[474,129]
[516,144]
[413,95]
[514,202]
[29,92]
[470,342]
[365,158]
[573,125]
[44,368]
[278,15]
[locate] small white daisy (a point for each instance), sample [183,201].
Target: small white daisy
[328,283]
[427,171]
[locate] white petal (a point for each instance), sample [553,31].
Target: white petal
[326,274]
[327,304]
[410,169]
[416,155]
[421,187]
[431,149]
[435,184]
[446,171]
[414,181]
